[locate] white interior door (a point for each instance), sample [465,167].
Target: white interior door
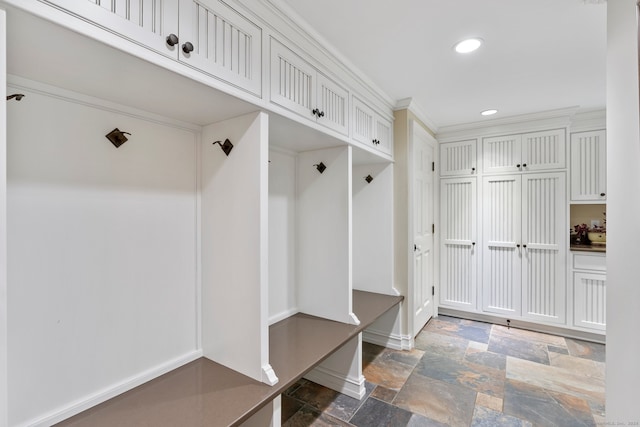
[423,208]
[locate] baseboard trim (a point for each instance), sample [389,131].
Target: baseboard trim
[78,406]
[523,324]
[384,339]
[352,387]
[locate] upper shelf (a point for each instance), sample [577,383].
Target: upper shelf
[206,393]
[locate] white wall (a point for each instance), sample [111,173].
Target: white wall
[101,252]
[373,229]
[282,239]
[3,226]
[623,211]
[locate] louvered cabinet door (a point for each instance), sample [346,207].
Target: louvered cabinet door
[458,158]
[589,300]
[333,102]
[502,154]
[502,245]
[544,150]
[146,22]
[226,45]
[458,268]
[588,166]
[544,233]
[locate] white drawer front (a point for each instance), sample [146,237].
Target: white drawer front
[596,262]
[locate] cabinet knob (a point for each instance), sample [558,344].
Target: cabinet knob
[473,243]
[524,246]
[524,165]
[602,194]
[320,113]
[187,47]
[517,245]
[473,169]
[172,39]
[518,165]
[315,112]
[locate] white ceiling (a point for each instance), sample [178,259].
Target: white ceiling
[538,55]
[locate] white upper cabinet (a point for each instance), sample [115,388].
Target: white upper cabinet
[370,128]
[146,22]
[205,34]
[526,152]
[219,41]
[301,88]
[459,158]
[588,166]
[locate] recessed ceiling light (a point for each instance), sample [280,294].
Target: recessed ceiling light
[489,112]
[468,45]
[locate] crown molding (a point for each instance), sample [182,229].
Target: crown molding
[589,120]
[411,105]
[302,28]
[514,124]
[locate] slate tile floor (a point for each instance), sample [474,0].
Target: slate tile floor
[465,373]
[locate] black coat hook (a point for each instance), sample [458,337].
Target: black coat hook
[368,178]
[227,146]
[321,167]
[17,96]
[117,137]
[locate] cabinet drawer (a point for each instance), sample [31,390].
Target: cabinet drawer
[596,262]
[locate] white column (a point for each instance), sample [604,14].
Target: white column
[623,211]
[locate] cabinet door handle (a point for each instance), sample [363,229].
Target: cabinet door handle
[187,47]
[172,40]
[602,194]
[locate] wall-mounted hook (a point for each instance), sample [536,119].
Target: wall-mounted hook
[17,96]
[368,178]
[321,167]
[117,137]
[226,146]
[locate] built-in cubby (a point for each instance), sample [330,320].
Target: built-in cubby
[222,249]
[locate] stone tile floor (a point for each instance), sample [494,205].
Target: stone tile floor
[465,373]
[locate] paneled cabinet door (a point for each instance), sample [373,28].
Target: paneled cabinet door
[146,22]
[219,41]
[502,154]
[544,231]
[526,152]
[299,87]
[458,158]
[333,103]
[502,245]
[458,261]
[544,150]
[589,300]
[588,166]
[383,134]
[371,129]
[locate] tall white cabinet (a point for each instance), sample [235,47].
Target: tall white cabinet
[504,225]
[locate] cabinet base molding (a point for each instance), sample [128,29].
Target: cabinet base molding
[522,324]
[128,384]
[384,339]
[352,387]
